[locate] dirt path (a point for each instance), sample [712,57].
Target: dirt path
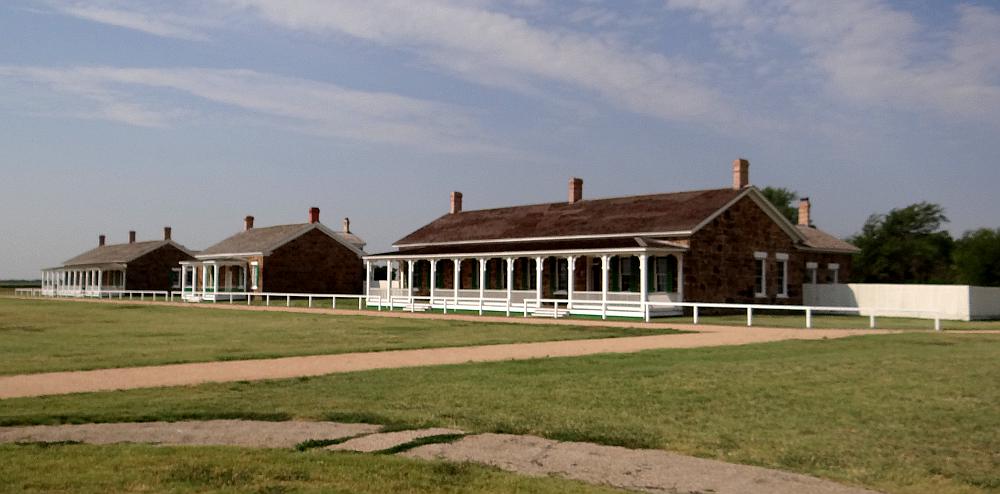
[642,470]
[54,383]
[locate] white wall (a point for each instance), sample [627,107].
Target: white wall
[925,301]
[984,302]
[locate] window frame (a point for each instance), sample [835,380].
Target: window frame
[255,275]
[783,274]
[834,269]
[760,275]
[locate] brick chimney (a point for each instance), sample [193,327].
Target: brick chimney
[804,207]
[741,173]
[248,223]
[131,237]
[166,233]
[313,215]
[100,240]
[456,202]
[347,225]
[575,190]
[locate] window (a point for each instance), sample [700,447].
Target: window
[782,275]
[175,278]
[527,274]
[760,280]
[562,275]
[254,275]
[811,269]
[834,272]
[438,275]
[665,269]
[628,282]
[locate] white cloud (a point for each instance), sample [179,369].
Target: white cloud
[871,54]
[162,24]
[120,94]
[483,45]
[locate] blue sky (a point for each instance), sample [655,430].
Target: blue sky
[135,115]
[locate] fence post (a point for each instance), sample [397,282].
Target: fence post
[555,309]
[508,307]
[310,303]
[445,306]
[871,321]
[604,309]
[749,316]
[645,311]
[696,314]
[359,302]
[525,307]
[288,300]
[380,303]
[267,300]
[248,298]
[937,324]
[333,303]
[809,318]
[230,298]
[480,305]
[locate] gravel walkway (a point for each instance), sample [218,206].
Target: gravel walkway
[642,470]
[54,383]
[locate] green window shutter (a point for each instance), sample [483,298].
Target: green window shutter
[671,274]
[613,273]
[475,275]
[635,276]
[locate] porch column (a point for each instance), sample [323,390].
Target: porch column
[604,285]
[643,285]
[409,281]
[570,275]
[538,278]
[204,277]
[215,278]
[680,277]
[510,277]
[368,278]
[388,282]
[100,280]
[433,280]
[458,278]
[184,278]
[482,278]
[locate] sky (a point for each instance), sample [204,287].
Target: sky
[118,116]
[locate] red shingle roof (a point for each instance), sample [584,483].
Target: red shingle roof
[647,214]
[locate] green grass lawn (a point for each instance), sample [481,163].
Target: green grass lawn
[135,468]
[904,413]
[48,335]
[798,320]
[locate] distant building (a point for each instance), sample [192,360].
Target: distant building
[726,245]
[297,258]
[148,265]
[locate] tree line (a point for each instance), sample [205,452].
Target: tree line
[910,245]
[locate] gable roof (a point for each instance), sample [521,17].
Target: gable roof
[820,240]
[120,253]
[263,240]
[676,212]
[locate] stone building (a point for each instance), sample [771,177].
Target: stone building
[297,258]
[607,256]
[147,265]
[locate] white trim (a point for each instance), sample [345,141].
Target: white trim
[762,271]
[833,265]
[760,255]
[783,262]
[835,269]
[529,253]
[781,256]
[812,265]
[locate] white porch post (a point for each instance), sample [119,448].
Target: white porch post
[409,281]
[215,278]
[388,282]
[458,277]
[368,278]
[538,278]
[184,276]
[644,285]
[482,278]
[570,279]
[433,280]
[604,286]
[100,281]
[204,277]
[510,279]
[680,277]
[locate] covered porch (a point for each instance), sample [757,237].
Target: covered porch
[552,283]
[83,281]
[205,280]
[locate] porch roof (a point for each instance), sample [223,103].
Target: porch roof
[819,240]
[597,244]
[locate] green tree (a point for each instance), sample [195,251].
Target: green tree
[783,199]
[977,258]
[906,245]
